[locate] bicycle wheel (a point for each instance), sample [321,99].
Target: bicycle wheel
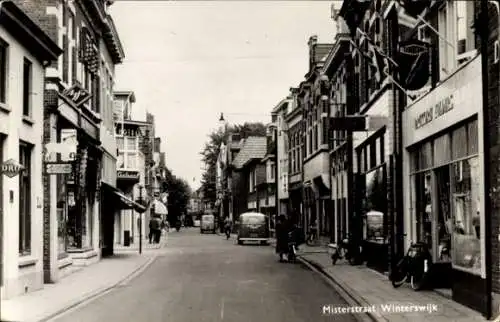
[417,280]
[399,275]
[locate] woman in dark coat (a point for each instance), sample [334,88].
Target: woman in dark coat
[281,237]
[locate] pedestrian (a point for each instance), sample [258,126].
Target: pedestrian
[158,228]
[151,229]
[281,236]
[227,227]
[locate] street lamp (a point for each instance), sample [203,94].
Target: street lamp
[140,218]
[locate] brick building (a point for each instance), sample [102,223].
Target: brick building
[25,52]
[421,80]
[77,110]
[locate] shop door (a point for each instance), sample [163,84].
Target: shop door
[443,220]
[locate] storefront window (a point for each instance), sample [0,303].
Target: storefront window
[466,203]
[423,207]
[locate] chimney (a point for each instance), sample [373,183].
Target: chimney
[313,41]
[342,27]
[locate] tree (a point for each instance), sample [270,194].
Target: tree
[211,150]
[179,193]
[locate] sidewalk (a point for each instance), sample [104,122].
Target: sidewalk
[75,288]
[146,246]
[369,288]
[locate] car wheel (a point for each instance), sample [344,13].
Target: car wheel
[240,242]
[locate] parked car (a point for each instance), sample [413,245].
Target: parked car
[207,223]
[253,226]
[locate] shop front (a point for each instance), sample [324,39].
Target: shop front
[372,200]
[444,186]
[340,194]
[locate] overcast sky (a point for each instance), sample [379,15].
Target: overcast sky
[189,61]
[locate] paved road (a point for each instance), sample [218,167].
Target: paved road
[207,278]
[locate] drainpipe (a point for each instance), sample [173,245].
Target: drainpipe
[484,36]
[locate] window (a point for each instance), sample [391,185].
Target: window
[121,160]
[3,71]
[25,200]
[466,203]
[131,160]
[465,34]
[27,85]
[131,143]
[120,143]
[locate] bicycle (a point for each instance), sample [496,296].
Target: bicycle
[312,238]
[413,268]
[346,249]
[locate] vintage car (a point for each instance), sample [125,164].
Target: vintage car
[253,226]
[207,223]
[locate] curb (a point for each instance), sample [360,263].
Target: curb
[100,292]
[351,297]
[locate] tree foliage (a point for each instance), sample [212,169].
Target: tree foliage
[211,151]
[179,193]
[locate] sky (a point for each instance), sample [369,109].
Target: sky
[187,62]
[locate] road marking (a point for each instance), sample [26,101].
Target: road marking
[222,309]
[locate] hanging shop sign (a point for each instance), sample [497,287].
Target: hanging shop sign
[77,94]
[11,168]
[66,149]
[434,112]
[59,168]
[414,64]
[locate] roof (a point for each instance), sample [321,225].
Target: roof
[322,51]
[130,94]
[255,147]
[28,33]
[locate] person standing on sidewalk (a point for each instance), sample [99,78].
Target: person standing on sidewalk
[281,237]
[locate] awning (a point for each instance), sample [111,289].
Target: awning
[121,200]
[159,208]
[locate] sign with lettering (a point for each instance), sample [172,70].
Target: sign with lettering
[434,112]
[67,150]
[59,168]
[11,168]
[127,130]
[77,94]
[127,174]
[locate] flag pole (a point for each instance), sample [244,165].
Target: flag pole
[391,79]
[373,43]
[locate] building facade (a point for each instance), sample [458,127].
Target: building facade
[25,52]
[279,112]
[131,170]
[74,114]
[294,130]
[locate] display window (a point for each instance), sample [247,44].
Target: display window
[446,198]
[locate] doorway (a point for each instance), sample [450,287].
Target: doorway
[442,203]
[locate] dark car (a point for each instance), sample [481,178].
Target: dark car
[253,226]
[207,223]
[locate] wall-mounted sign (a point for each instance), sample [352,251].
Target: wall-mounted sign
[434,112]
[67,150]
[77,94]
[11,168]
[127,174]
[127,130]
[59,168]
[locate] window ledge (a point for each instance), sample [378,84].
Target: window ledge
[5,108]
[27,260]
[28,120]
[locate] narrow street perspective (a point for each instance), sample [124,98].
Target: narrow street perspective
[208,278]
[260,161]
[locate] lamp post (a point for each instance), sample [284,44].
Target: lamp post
[140,219]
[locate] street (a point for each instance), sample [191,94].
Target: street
[208,278]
